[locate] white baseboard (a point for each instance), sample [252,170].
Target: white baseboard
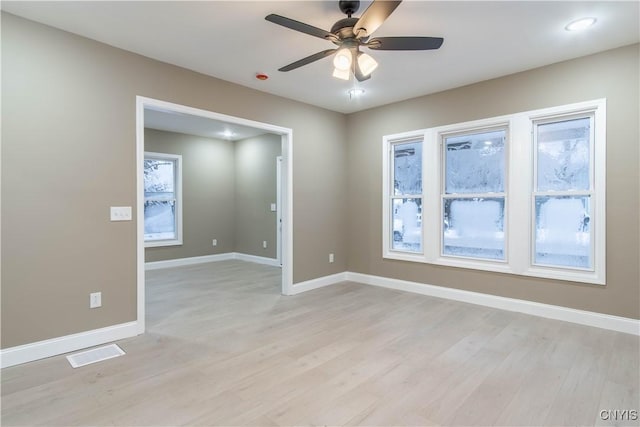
[257,259]
[180,262]
[320,282]
[42,349]
[588,318]
[53,347]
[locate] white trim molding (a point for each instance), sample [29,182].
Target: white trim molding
[582,317]
[56,346]
[319,282]
[181,262]
[52,347]
[257,259]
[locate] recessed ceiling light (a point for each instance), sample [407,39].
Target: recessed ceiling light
[354,93]
[580,24]
[228,134]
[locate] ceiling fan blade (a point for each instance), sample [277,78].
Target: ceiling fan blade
[299,26]
[373,17]
[405,43]
[308,60]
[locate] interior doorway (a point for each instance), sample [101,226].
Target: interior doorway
[283,205]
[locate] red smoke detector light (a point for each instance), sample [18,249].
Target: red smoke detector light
[261,76]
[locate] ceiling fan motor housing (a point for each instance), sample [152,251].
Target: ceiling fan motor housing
[349,7]
[344,28]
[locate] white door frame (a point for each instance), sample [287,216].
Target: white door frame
[285,188]
[279,209]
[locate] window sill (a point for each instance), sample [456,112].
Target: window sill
[162,243]
[568,275]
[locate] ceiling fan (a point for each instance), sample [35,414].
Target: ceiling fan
[350,33]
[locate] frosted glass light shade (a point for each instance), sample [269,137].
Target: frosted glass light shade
[343,59]
[341,74]
[366,63]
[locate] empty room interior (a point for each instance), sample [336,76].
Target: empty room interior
[276,213]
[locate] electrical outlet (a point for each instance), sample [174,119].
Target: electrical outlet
[214,242]
[264,244]
[95,300]
[330,257]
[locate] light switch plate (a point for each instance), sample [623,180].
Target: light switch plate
[120,213]
[273,207]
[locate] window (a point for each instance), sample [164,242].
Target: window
[473,197]
[563,193]
[406,197]
[521,194]
[162,199]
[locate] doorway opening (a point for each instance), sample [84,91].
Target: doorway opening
[282,206]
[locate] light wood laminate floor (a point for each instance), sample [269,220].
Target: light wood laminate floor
[223,347]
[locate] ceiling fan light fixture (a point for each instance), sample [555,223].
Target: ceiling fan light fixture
[366,64]
[355,92]
[341,74]
[343,59]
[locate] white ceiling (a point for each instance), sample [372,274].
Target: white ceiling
[231,40]
[196,125]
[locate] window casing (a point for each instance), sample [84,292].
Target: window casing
[162,199]
[521,194]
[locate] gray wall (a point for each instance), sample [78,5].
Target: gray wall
[255,164]
[228,188]
[68,153]
[208,198]
[612,75]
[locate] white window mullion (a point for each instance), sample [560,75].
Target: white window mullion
[431,217]
[386,199]
[520,179]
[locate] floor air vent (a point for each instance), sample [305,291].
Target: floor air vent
[95,355]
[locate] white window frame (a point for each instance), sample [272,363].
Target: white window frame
[392,196]
[504,194]
[519,190]
[388,189]
[177,160]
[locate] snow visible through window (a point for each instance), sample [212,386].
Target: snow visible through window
[407,212]
[563,220]
[159,200]
[473,221]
